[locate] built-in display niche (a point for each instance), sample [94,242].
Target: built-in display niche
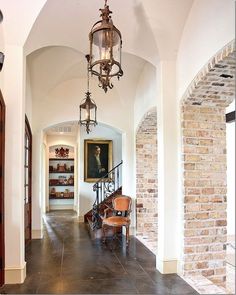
[61,172]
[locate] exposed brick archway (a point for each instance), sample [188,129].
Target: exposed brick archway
[204,165]
[146,180]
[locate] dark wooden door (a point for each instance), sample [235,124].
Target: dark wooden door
[28,181]
[2,160]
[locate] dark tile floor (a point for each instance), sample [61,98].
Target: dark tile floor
[68,261]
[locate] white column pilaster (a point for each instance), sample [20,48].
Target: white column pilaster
[128,183]
[168,169]
[14,94]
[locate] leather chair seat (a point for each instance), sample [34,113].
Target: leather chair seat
[122,204]
[116,221]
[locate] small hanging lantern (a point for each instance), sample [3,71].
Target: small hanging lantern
[88,112]
[88,109]
[105,50]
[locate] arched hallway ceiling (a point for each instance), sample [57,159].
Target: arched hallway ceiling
[18,19]
[51,66]
[151,29]
[71,128]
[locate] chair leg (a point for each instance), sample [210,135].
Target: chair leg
[127,234]
[113,232]
[104,233]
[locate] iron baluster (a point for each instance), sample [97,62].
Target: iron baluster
[103,188]
[118,178]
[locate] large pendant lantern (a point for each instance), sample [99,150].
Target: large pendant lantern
[88,109]
[105,50]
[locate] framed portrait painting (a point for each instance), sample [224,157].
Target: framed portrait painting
[97,159]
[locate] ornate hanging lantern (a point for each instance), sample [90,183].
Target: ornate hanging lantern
[88,109]
[105,50]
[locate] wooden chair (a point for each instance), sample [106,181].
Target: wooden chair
[120,215]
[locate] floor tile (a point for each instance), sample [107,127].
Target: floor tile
[67,261]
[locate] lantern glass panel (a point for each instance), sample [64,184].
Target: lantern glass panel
[101,45]
[93,114]
[101,49]
[116,55]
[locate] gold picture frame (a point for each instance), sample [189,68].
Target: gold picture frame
[97,159]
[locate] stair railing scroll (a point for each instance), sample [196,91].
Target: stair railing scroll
[103,188]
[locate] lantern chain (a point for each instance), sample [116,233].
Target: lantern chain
[88,77]
[88,58]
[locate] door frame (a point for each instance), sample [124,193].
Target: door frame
[29,132]
[2,168]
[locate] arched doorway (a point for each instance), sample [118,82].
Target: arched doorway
[2,157]
[204,167]
[28,182]
[146,181]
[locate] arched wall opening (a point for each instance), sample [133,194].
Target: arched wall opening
[204,167]
[71,134]
[147,181]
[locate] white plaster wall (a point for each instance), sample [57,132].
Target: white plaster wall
[146,93]
[210,26]
[16,29]
[53,140]
[230,141]
[86,194]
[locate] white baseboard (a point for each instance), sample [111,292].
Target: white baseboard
[14,275]
[166,266]
[180,267]
[37,234]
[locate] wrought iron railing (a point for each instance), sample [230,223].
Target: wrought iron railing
[104,188]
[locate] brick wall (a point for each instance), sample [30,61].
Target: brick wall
[146,181]
[204,144]
[204,165]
